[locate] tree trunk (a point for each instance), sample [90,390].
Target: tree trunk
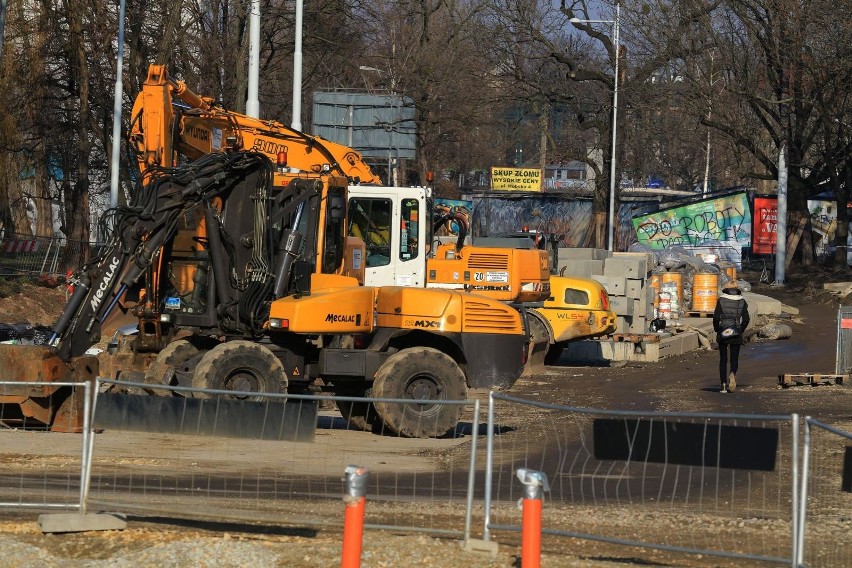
[77,204]
[41,195]
[600,213]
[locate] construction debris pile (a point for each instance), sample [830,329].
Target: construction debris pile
[24,334]
[645,285]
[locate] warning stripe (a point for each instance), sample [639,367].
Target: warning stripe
[15,247]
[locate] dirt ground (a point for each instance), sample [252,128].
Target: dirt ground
[687,382]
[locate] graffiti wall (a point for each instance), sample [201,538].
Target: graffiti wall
[726,220]
[458,212]
[570,219]
[823,212]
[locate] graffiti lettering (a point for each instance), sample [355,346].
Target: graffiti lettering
[721,220]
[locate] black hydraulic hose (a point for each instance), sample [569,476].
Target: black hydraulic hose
[218,257]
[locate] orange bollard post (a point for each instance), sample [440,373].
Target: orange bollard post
[353,519]
[535,482]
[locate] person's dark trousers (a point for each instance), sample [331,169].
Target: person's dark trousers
[723,360]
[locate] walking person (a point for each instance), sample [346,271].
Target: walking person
[730,319]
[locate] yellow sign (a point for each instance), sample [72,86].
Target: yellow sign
[515,179]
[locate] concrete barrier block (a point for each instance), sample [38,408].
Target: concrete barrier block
[597,351]
[80,522]
[581,268]
[621,305]
[614,286]
[639,324]
[645,260]
[566,253]
[625,267]
[634,287]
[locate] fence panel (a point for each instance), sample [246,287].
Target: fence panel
[826,507]
[191,457]
[28,255]
[843,362]
[713,484]
[41,469]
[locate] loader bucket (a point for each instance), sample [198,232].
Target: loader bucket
[28,404]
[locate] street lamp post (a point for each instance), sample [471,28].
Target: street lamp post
[613,220]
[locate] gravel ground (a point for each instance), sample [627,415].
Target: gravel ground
[686,382]
[157,544]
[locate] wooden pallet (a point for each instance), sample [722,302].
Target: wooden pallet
[694,314]
[813,379]
[636,337]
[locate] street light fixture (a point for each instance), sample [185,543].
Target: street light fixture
[615,29]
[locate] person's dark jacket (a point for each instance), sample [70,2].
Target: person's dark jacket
[731,311]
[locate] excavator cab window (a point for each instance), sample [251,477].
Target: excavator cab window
[576,297]
[335,231]
[369,219]
[187,265]
[408,249]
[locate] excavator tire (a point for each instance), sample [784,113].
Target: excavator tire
[360,415]
[240,366]
[422,374]
[539,346]
[175,355]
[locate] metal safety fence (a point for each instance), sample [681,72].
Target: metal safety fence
[40,469]
[711,484]
[724,485]
[825,536]
[207,454]
[843,358]
[28,255]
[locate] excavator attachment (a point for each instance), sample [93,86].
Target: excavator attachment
[36,403]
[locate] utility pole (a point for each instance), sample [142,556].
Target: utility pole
[296,124]
[116,110]
[253,102]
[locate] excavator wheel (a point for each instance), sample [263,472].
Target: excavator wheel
[360,415]
[240,366]
[170,360]
[539,345]
[422,374]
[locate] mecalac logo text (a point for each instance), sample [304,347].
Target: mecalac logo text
[337,318]
[105,282]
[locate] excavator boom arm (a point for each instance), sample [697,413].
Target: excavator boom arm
[169,120]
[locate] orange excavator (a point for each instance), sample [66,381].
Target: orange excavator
[241,275]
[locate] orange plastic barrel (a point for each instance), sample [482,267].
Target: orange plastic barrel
[705,291]
[677,278]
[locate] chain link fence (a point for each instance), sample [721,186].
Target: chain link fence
[723,485]
[825,536]
[700,483]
